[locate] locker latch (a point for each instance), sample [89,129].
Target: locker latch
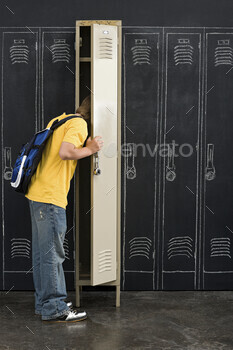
[97,170]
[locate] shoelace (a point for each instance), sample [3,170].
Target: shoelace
[73,313]
[75,310]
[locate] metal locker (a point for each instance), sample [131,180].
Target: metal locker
[98,62]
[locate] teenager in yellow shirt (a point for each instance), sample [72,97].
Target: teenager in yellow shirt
[47,196]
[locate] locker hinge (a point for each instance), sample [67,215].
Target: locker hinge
[36,46]
[157,45]
[199,45]
[80,41]
[153,255]
[74,254]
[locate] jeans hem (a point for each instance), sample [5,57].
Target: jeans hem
[56,315]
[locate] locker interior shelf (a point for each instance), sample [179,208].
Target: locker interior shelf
[85,59]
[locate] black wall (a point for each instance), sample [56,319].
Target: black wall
[176,211]
[132,12]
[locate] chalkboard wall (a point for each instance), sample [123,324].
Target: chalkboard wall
[177,222]
[177,187]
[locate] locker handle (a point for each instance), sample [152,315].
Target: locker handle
[97,170]
[131,169]
[170,168]
[7,164]
[210,172]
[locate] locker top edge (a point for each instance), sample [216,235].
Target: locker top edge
[90,22]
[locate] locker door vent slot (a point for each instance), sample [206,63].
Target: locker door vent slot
[105,48]
[60,51]
[105,260]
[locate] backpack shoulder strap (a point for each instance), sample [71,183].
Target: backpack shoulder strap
[58,122]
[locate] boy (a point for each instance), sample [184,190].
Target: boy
[47,196]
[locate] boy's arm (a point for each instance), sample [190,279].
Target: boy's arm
[68,151]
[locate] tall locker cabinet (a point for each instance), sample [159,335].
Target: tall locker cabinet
[98,74]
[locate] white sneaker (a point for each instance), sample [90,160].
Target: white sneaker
[71,315]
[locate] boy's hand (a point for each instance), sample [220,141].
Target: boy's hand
[94,144]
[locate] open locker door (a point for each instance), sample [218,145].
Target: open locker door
[104,123]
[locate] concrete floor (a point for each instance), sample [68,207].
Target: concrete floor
[145,320]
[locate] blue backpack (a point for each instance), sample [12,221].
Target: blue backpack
[30,156]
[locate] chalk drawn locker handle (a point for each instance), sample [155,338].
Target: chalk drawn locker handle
[7,172]
[131,169]
[171,168]
[210,171]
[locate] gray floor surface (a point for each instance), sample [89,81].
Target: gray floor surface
[145,320]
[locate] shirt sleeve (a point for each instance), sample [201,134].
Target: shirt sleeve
[76,132]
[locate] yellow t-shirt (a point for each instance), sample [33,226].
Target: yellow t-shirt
[51,181]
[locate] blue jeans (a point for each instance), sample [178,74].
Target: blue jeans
[48,234]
